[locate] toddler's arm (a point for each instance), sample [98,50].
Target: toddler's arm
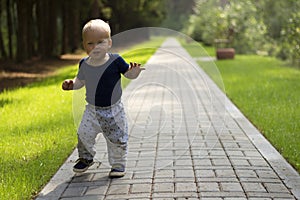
[74,84]
[133,71]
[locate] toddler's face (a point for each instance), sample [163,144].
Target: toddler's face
[96,43]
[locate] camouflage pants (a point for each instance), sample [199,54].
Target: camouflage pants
[112,123]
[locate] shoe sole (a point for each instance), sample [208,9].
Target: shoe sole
[116,174]
[79,170]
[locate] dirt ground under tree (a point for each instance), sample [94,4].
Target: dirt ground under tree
[13,75]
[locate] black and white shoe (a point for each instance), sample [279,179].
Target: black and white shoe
[117,172]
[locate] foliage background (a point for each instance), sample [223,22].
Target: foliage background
[43,29]
[251,26]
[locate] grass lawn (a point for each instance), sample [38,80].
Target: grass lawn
[267,91]
[37,129]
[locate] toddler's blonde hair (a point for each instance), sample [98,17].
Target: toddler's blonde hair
[96,24]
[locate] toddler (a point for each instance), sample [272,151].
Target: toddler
[100,73]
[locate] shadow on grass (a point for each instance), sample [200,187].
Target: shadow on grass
[56,79]
[5,101]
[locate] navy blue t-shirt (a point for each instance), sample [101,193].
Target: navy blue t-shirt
[103,83]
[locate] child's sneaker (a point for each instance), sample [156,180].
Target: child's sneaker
[117,171]
[82,165]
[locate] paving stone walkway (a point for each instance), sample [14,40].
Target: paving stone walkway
[187,141]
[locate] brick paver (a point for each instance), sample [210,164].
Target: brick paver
[187,141]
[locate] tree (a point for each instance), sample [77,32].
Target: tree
[70,26]
[24,29]
[2,49]
[251,25]
[246,26]
[291,38]
[282,21]
[203,23]
[48,28]
[177,13]
[46,15]
[135,14]
[9,20]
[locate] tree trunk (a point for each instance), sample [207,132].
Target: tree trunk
[9,28]
[3,53]
[95,10]
[52,28]
[25,30]
[30,29]
[22,44]
[64,45]
[46,13]
[71,26]
[75,34]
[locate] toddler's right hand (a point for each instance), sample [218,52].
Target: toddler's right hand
[68,85]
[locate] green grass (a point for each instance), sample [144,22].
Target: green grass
[37,130]
[37,133]
[268,93]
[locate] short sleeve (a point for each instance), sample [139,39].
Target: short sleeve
[122,65]
[80,74]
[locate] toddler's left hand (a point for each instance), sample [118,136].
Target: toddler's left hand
[134,70]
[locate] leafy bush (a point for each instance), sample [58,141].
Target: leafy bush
[250,26]
[237,22]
